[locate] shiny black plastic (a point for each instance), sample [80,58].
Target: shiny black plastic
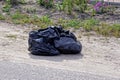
[53,41]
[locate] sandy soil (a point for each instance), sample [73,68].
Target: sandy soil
[100,56]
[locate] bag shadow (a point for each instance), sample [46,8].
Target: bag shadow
[57,58]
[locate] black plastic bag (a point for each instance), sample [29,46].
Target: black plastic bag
[67,45]
[40,42]
[53,41]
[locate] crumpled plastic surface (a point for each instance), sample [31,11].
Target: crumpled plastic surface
[53,41]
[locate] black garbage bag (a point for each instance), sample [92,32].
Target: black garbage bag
[67,42]
[53,41]
[67,45]
[40,42]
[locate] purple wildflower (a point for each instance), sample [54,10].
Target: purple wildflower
[98,6]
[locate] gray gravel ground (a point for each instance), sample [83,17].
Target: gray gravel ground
[18,71]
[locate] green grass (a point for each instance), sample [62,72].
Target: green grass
[73,23]
[2,17]
[6,8]
[44,21]
[20,18]
[109,30]
[11,36]
[46,3]
[31,10]
[90,24]
[69,23]
[19,15]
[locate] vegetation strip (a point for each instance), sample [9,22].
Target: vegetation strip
[88,24]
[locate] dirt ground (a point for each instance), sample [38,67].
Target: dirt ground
[100,55]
